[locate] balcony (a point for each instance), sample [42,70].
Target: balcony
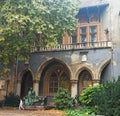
[77,46]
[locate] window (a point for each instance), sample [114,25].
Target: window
[86,81]
[53,81]
[89,26]
[64,81]
[74,40]
[93,33]
[83,30]
[56,78]
[89,33]
[83,34]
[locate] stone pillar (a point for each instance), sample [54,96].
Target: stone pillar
[73,88]
[18,88]
[36,87]
[96,82]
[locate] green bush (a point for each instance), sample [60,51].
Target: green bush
[111,101]
[85,111]
[11,100]
[104,99]
[62,99]
[90,96]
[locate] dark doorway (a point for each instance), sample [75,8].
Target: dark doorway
[105,75]
[27,82]
[84,81]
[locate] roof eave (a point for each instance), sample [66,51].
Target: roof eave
[100,5]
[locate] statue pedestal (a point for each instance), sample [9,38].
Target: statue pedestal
[34,107]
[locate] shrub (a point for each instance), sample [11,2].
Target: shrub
[11,100]
[85,111]
[63,99]
[104,99]
[111,102]
[90,96]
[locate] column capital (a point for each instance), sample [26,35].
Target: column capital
[73,81]
[35,81]
[96,82]
[19,81]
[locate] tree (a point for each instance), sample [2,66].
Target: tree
[21,21]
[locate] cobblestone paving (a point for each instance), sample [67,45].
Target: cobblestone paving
[16,112]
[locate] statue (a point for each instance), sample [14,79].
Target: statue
[30,98]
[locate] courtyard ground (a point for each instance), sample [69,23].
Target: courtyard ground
[17,112]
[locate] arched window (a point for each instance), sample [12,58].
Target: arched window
[64,81]
[53,83]
[55,78]
[85,80]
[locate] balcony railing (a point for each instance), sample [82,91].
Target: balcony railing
[87,45]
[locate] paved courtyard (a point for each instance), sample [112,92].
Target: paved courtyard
[17,112]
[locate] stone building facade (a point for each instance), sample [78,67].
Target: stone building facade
[88,58]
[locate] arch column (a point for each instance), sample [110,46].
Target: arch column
[96,82]
[36,86]
[18,88]
[74,88]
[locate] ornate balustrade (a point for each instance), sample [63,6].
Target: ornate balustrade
[87,45]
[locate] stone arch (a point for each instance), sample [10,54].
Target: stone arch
[25,81]
[84,67]
[102,66]
[50,70]
[44,64]
[22,72]
[85,79]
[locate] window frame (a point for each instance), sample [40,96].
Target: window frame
[60,72]
[88,32]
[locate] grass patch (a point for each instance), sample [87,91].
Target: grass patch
[80,112]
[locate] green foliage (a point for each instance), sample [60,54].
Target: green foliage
[11,100]
[82,112]
[103,99]
[111,101]
[63,99]
[22,20]
[89,95]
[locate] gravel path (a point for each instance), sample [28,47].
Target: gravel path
[16,112]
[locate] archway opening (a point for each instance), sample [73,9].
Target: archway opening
[105,74]
[27,82]
[54,76]
[84,81]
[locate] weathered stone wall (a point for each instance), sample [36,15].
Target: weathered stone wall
[92,57]
[110,19]
[93,60]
